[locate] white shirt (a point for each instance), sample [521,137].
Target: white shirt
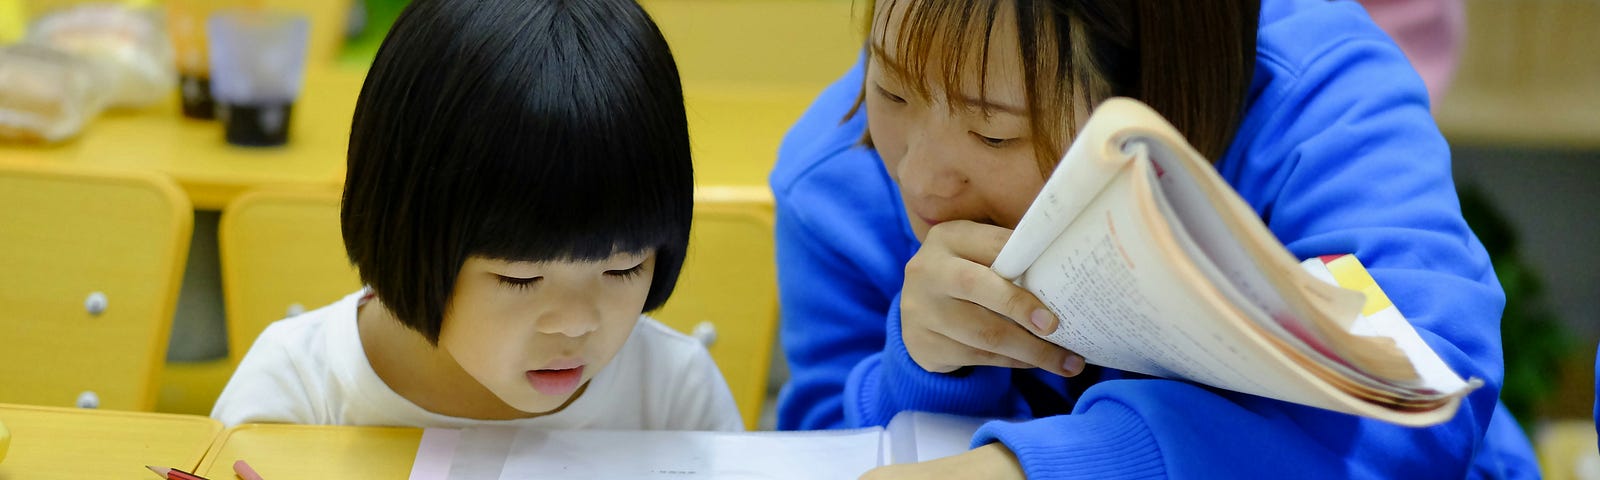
[311,369]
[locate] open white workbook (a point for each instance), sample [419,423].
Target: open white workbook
[1155,265]
[519,453]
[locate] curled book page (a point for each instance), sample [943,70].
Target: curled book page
[1155,265]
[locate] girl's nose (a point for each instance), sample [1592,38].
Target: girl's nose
[574,318]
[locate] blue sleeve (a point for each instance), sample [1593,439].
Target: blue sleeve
[891,382]
[831,320]
[1339,154]
[831,260]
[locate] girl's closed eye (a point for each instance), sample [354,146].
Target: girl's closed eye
[627,274]
[518,282]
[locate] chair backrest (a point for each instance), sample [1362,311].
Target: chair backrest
[728,291]
[283,248]
[90,267]
[282,253]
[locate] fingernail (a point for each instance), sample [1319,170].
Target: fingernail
[1073,364]
[1041,320]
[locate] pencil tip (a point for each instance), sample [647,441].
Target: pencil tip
[162,471]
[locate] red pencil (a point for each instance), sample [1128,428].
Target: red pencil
[174,474]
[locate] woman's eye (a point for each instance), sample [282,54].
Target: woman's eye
[518,282]
[992,142]
[889,96]
[627,274]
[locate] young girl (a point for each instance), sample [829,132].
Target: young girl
[898,187]
[518,192]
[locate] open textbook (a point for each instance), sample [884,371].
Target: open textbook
[1155,265]
[494,453]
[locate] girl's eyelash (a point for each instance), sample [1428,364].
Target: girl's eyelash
[629,273]
[992,142]
[529,282]
[890,96]
[518,282]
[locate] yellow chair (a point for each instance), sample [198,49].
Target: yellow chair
[282,254]
[727,294]
[92,261]
[282,251]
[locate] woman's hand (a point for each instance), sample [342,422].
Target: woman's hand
[989,462]
[955,311]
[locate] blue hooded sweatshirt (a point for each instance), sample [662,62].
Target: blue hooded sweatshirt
[1337,152]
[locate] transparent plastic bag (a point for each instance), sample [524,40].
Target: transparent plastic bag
[45,95]
[128,47]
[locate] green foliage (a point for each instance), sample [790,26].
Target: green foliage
[361,47]
[1535,341]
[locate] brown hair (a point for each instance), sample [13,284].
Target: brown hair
[1190,60]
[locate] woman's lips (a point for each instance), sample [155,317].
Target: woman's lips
[556,382]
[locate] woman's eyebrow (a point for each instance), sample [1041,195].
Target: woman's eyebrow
[987,105]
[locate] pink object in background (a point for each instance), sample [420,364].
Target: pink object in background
[1430,32]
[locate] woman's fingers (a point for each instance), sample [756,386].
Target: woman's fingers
[1000,336]
[981,286]
[957,312]
[978,336]
[952,355]
[975,282]
[970,240]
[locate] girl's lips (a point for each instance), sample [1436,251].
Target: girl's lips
[563,364]
[555,382]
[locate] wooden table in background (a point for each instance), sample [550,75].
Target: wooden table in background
[194,153]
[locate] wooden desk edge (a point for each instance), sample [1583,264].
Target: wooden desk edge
[216,426]
[210,458]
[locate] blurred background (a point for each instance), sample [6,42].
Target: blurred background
[1517,93]
[1523,120]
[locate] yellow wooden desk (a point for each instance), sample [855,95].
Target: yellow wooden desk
[68,443]
[193,152]
[313,451]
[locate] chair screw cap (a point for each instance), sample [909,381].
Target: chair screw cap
[95,304]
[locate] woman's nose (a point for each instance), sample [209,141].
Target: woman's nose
[927,170]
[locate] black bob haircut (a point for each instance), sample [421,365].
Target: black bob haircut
[516,130]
